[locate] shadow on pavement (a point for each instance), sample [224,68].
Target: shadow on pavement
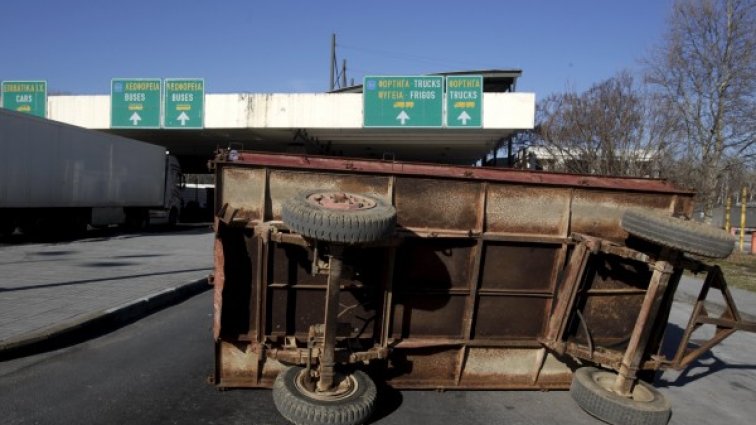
[702,367]
[389,400]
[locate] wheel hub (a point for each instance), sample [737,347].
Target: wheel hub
[639,393]
[341,201]
[344,386]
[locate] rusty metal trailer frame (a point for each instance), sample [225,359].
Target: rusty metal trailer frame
[494,279]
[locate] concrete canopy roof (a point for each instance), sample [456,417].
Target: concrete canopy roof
[319,123]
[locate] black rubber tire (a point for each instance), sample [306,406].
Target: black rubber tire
[340,226]
[301,409]
[612,408]
[687,236]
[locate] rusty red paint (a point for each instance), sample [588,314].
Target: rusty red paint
[341,201]
[359,166]
[219,279]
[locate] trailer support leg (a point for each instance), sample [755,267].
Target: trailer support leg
[643,329]
[328,358]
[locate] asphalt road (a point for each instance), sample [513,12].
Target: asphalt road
[155,371]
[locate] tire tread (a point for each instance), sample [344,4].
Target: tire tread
[683,235]
[612,408]
[301,410]
[349,227]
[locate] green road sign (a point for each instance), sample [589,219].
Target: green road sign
[403,101]
[25,96]
[184,103]
[464,101]
[135,103]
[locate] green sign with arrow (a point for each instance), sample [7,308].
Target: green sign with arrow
[403,101]
[184,103]
[135,103]
[464,101]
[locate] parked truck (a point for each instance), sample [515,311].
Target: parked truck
[57,178]
[331,273]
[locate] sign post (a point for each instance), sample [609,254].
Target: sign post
[403,101]
[135,103]
[25,96]
[184,103]
[464,101]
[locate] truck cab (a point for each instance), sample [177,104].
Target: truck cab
[172,198]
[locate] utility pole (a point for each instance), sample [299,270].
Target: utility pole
[336,78]
[332,63]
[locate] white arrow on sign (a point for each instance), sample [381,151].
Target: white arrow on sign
[183,118]
[464,117]
[135,118]
[402,117]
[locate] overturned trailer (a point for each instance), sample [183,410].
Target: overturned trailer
[331,272]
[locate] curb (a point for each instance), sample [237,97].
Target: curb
[97,323]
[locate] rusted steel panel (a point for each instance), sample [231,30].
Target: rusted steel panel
[424,203]
[424,368]
[426,314]
[518,266]
[598,213]
[431,284]
[515,367]
[511,316]
[240,366]
[291,265]
[219,279]
[527,209]
[610,319]
[244,189]
[291,311]
[433,264]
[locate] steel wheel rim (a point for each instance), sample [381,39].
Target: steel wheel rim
[346,387]
[640,392]
[342,201]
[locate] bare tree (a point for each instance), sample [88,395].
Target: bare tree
[704,73]
[601,131]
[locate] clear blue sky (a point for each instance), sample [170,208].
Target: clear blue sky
[283,46]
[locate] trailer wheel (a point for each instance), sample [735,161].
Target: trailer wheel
[591,390]
[339,217]
[350,403]
[675,233]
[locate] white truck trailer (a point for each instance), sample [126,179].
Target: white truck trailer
[58,178]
